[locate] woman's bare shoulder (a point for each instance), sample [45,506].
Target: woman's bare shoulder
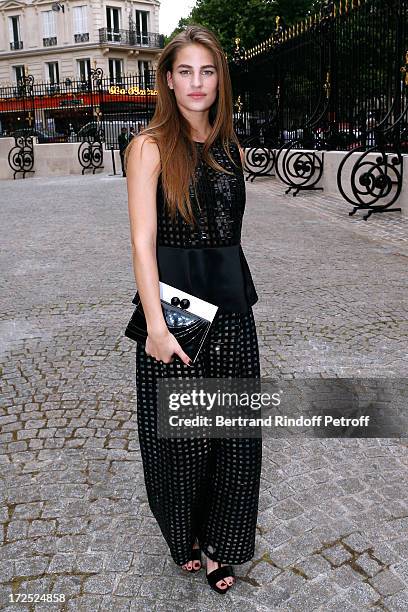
[144,152]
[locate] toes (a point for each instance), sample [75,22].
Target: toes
[187,566]
[222,584]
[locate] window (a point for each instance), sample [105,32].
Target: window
[81,33]
[52,72]
[18,72]
[49,31]
[84,69]
[115,70]
[142,29]
[144,68]
[14,33]
[113,23]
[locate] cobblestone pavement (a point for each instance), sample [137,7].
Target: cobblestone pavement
[333,520]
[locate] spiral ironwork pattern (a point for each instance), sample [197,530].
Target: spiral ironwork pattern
[298,168]
[90,155]
[375,180]
[258,161]
[21,156]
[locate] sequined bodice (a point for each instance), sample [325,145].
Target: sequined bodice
[220,207]
[207,260]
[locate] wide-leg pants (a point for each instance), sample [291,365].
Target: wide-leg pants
[203,488]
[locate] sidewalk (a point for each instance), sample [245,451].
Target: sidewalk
[333,520]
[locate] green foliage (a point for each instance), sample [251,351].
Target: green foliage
[253,21]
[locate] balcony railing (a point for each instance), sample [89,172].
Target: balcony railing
[131,38]
[50,41]
[84,37]
[16,44]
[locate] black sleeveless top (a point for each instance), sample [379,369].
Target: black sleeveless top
[208,261]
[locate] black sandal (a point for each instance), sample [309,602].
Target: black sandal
[195,556]
[218,574]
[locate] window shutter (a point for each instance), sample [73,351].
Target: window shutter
[48,24]
[80,20]
[45,24]
[77,29]
[52,23]
[11,33]
[84,20]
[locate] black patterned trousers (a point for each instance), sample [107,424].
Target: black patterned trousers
[203,488]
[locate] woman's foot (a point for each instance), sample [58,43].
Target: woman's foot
[224,583]
[195,564]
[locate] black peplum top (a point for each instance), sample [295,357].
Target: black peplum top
[208,261]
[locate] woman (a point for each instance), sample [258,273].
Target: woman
[186,194]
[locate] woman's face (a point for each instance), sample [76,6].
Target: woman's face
[194,72]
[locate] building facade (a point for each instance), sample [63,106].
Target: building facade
[60,41]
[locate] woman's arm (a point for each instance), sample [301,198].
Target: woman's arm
[242,154]
[143,169]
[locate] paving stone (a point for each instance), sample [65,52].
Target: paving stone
[401,569]
[345,576]
[314,593]
[385,554]
[101,584]
[362,594]
[401,548]
[368,565]
[313,566]
[6,571]
[357,542]
[116,604]
[17,530]
[88,562]
[39,528]
[74,497]
[339,604]
[336,555]
[31,567]
[387,583]
[69,585]
[120,562]
[62,563]
[397,602]
[264,572]
[84,603]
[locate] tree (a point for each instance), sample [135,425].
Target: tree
[253,21]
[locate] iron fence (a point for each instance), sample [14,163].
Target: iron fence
[336,81]
[76,110]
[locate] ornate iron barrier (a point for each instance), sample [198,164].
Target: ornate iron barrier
[21,156]
[376,175]
[259,159]
[90,153]
[372,181]
[300,170]
[337,81]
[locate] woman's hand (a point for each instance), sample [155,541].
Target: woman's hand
[163,345]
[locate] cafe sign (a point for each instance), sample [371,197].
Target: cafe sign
[132,91]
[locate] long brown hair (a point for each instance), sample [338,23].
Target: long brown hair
[171,131]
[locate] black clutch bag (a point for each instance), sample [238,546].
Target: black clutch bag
[187,317]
